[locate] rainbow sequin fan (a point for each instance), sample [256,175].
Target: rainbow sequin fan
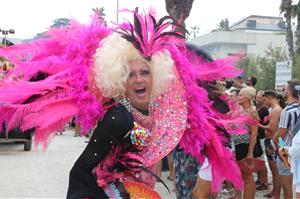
[138,190]
[130,190]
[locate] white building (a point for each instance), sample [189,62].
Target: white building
[251,35]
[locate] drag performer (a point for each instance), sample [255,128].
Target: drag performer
[138,84]
[125,76]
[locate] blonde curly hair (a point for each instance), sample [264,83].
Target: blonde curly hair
[111,67]
[250,93]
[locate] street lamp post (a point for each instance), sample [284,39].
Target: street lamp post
[118,11]
[5,33]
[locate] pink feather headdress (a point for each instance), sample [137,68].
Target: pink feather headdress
[149,36]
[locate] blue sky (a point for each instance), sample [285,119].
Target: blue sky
[29,17]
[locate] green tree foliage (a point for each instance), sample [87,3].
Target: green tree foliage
[223,25]
[60,22]
[290,11]
[57,23]
[295,12]
[296,67]
[263,68]
[286,9]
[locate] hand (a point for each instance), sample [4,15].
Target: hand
[250,155]
[283,151]
[260,125]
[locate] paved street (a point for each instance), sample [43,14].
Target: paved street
[38,174]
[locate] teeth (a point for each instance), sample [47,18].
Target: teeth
[140,90]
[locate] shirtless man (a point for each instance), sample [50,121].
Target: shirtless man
[271,129]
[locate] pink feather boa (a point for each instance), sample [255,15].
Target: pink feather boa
[202,137]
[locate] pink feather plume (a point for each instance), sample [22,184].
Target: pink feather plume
[65,59]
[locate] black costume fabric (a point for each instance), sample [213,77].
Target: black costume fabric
[112,130]
[262,113]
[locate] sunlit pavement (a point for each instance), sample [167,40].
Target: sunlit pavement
[38,174]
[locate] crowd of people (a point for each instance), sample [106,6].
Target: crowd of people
[277,113]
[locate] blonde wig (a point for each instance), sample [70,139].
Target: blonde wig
[112,70]
[250,92]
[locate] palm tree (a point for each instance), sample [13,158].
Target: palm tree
[99,14]
[295,12]
[224,25]
[179,10]
[57,23]
[60,22]
[194,31]
[286,8]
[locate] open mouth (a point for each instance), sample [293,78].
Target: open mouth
[140,91]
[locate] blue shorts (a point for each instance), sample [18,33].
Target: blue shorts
[283,170]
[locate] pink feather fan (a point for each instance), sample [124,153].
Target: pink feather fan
[50,83]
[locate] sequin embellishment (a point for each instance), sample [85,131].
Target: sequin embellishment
[168,113]
[138,135]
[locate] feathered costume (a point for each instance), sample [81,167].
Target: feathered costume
[54,80]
